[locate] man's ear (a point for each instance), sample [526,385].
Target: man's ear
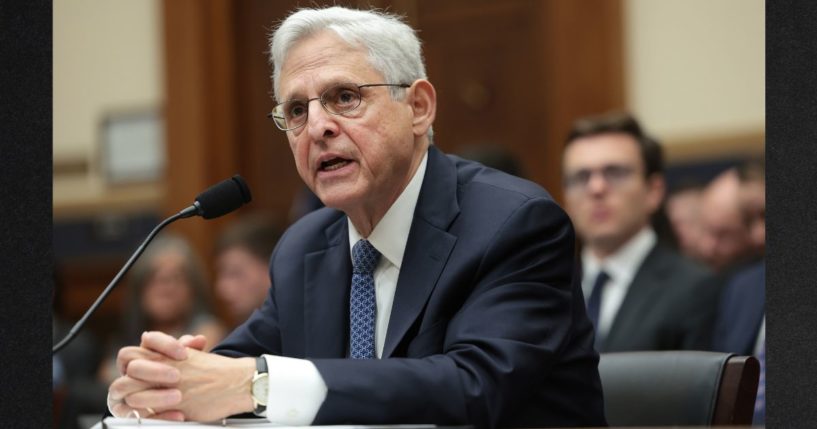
[656,189]
[423,102]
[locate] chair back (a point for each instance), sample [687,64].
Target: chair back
[678,388]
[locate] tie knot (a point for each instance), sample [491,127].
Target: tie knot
[602,278]
[364,257]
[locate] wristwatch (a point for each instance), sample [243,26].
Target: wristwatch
[260,386]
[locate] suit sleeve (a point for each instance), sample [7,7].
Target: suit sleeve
[499,345]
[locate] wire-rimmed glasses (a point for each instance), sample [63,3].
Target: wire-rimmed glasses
[613,174]
[337,100]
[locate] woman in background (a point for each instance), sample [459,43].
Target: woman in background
[168,293]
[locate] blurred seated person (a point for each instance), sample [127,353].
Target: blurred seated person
[683,209]
[167,293]
[640,294]
[493,156]
[77,389]
[725,243]
[741,322]
[243,252]
[305,202]
[752,199]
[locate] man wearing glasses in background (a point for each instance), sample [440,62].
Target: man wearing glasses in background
[429,290]
[640,295]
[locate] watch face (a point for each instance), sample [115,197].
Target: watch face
[260,386]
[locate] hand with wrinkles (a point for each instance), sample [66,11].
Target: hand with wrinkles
[172,379]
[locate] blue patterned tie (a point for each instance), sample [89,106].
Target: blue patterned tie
[362,304]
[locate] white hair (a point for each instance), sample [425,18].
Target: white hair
[393,47]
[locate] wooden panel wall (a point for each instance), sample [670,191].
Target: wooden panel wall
[518,72]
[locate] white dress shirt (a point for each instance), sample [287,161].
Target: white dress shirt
[296,388]
[621,267]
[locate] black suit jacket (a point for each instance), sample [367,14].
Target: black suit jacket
[670,305]
[488,325]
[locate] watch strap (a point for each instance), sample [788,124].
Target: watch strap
[260,368]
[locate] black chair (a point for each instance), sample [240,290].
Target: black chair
[678,388]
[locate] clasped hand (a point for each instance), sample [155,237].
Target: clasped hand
[172,379]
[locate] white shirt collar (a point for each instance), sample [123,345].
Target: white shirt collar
[390,235]
[623,264]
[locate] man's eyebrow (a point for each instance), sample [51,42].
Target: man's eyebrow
[295,95]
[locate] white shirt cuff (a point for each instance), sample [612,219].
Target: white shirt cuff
[296,391]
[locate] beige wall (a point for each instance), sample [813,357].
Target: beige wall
[106,58]
[696,68]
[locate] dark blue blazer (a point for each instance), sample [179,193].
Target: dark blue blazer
[488,325]
[741,311]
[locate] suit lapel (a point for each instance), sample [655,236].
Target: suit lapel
[327,280]
[428,248]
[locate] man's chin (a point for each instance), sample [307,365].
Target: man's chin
[606,241]
[337,197]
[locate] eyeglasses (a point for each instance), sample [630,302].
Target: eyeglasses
[337,100]
[614,175]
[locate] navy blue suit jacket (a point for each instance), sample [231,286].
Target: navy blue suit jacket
[488,325]
[741,311]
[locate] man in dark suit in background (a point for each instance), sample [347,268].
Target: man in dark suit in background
[640,294]
[740,326]
[429,290]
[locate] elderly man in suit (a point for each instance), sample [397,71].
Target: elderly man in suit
[640,294]
[429,290]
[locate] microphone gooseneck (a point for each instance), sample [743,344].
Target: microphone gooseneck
[217,200]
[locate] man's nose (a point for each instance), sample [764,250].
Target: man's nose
[596,183]
[320,123]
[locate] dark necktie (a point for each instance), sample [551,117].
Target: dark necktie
[759,417]
[362,304]
[594,303]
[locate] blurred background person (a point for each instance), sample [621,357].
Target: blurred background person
[640,294]
[243,252]
[683,208]
[725,245]
[76,389]
[305,201]
[168,293]
[493,155]
[752,198]
[740,326]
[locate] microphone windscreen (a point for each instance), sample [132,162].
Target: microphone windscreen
[223,197]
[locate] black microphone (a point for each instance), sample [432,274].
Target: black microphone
[218,200]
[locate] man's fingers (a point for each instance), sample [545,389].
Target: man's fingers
[173,415]
[156,399]
[153,372]
[164,344]
[197,342]
[127,394]
[127,354]
[123,410]
[124,386]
